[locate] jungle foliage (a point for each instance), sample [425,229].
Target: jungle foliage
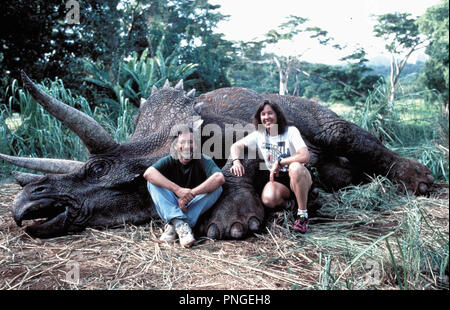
[120,49]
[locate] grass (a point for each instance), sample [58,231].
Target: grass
[413,127]
[35,133]
[402,243]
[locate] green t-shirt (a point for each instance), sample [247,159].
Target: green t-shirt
[190,175]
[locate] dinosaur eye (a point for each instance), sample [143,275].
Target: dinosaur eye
[98,169]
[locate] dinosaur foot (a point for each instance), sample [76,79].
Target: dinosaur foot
[416,178]
[235,216]
[237,230]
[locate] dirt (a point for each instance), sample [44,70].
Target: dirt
[131,257]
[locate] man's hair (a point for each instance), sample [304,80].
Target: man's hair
[177,130]
[282,122]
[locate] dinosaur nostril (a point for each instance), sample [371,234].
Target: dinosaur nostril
[39,189]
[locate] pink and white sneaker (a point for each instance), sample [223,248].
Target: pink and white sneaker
[301,224]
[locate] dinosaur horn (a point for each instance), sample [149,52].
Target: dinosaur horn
[179,85]
[191,93]
[47,165]
[94,136]
[24,178]
[166,84]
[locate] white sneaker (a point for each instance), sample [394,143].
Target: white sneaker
[169,234]
[184,231]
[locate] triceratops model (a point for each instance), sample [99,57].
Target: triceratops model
[109,189]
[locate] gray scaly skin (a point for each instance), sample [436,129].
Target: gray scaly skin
[109,189]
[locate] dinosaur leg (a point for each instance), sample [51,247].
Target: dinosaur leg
[238,211]
[366,152]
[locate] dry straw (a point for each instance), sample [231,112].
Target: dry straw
[345,248]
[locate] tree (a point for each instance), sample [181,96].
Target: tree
[39,39]
[349,83]
[36,38]
[252,68]
[292,28]
[435,25]
[190,25]
[401,33]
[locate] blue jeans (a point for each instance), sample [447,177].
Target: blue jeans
[166,203]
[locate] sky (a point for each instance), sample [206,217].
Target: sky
[349,22]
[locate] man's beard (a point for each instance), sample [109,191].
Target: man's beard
[186,155]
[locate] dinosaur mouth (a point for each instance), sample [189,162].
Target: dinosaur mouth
[40,214]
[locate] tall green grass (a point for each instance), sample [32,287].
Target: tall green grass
[35,133]
[419,254]
[414,126]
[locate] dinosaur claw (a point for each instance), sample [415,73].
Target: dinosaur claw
[213,232]
[237,231]
[423,188]
[254,224]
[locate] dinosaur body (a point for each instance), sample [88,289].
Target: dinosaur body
[109,189]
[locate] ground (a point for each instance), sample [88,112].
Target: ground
[339,252]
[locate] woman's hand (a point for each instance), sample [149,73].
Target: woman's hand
[237,168]
[275,171]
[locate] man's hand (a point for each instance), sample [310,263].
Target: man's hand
[275,171]
[185,195]
[237,168]
[182,204]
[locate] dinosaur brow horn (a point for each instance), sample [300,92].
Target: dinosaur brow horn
[47,165]
[93,135]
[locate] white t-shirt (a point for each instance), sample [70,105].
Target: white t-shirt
[274,147]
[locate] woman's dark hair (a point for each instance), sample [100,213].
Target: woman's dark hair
[281,119]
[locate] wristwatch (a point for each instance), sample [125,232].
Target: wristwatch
[279,160]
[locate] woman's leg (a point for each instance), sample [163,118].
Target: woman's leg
[274,194]
[300,183]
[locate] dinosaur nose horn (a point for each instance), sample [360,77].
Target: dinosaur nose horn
[93,135]
[24,178]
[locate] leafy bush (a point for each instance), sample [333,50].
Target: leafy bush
[138,75]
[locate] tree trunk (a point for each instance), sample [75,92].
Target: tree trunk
[284,76]
[393,80]
[396,70]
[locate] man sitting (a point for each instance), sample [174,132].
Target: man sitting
[183,187]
